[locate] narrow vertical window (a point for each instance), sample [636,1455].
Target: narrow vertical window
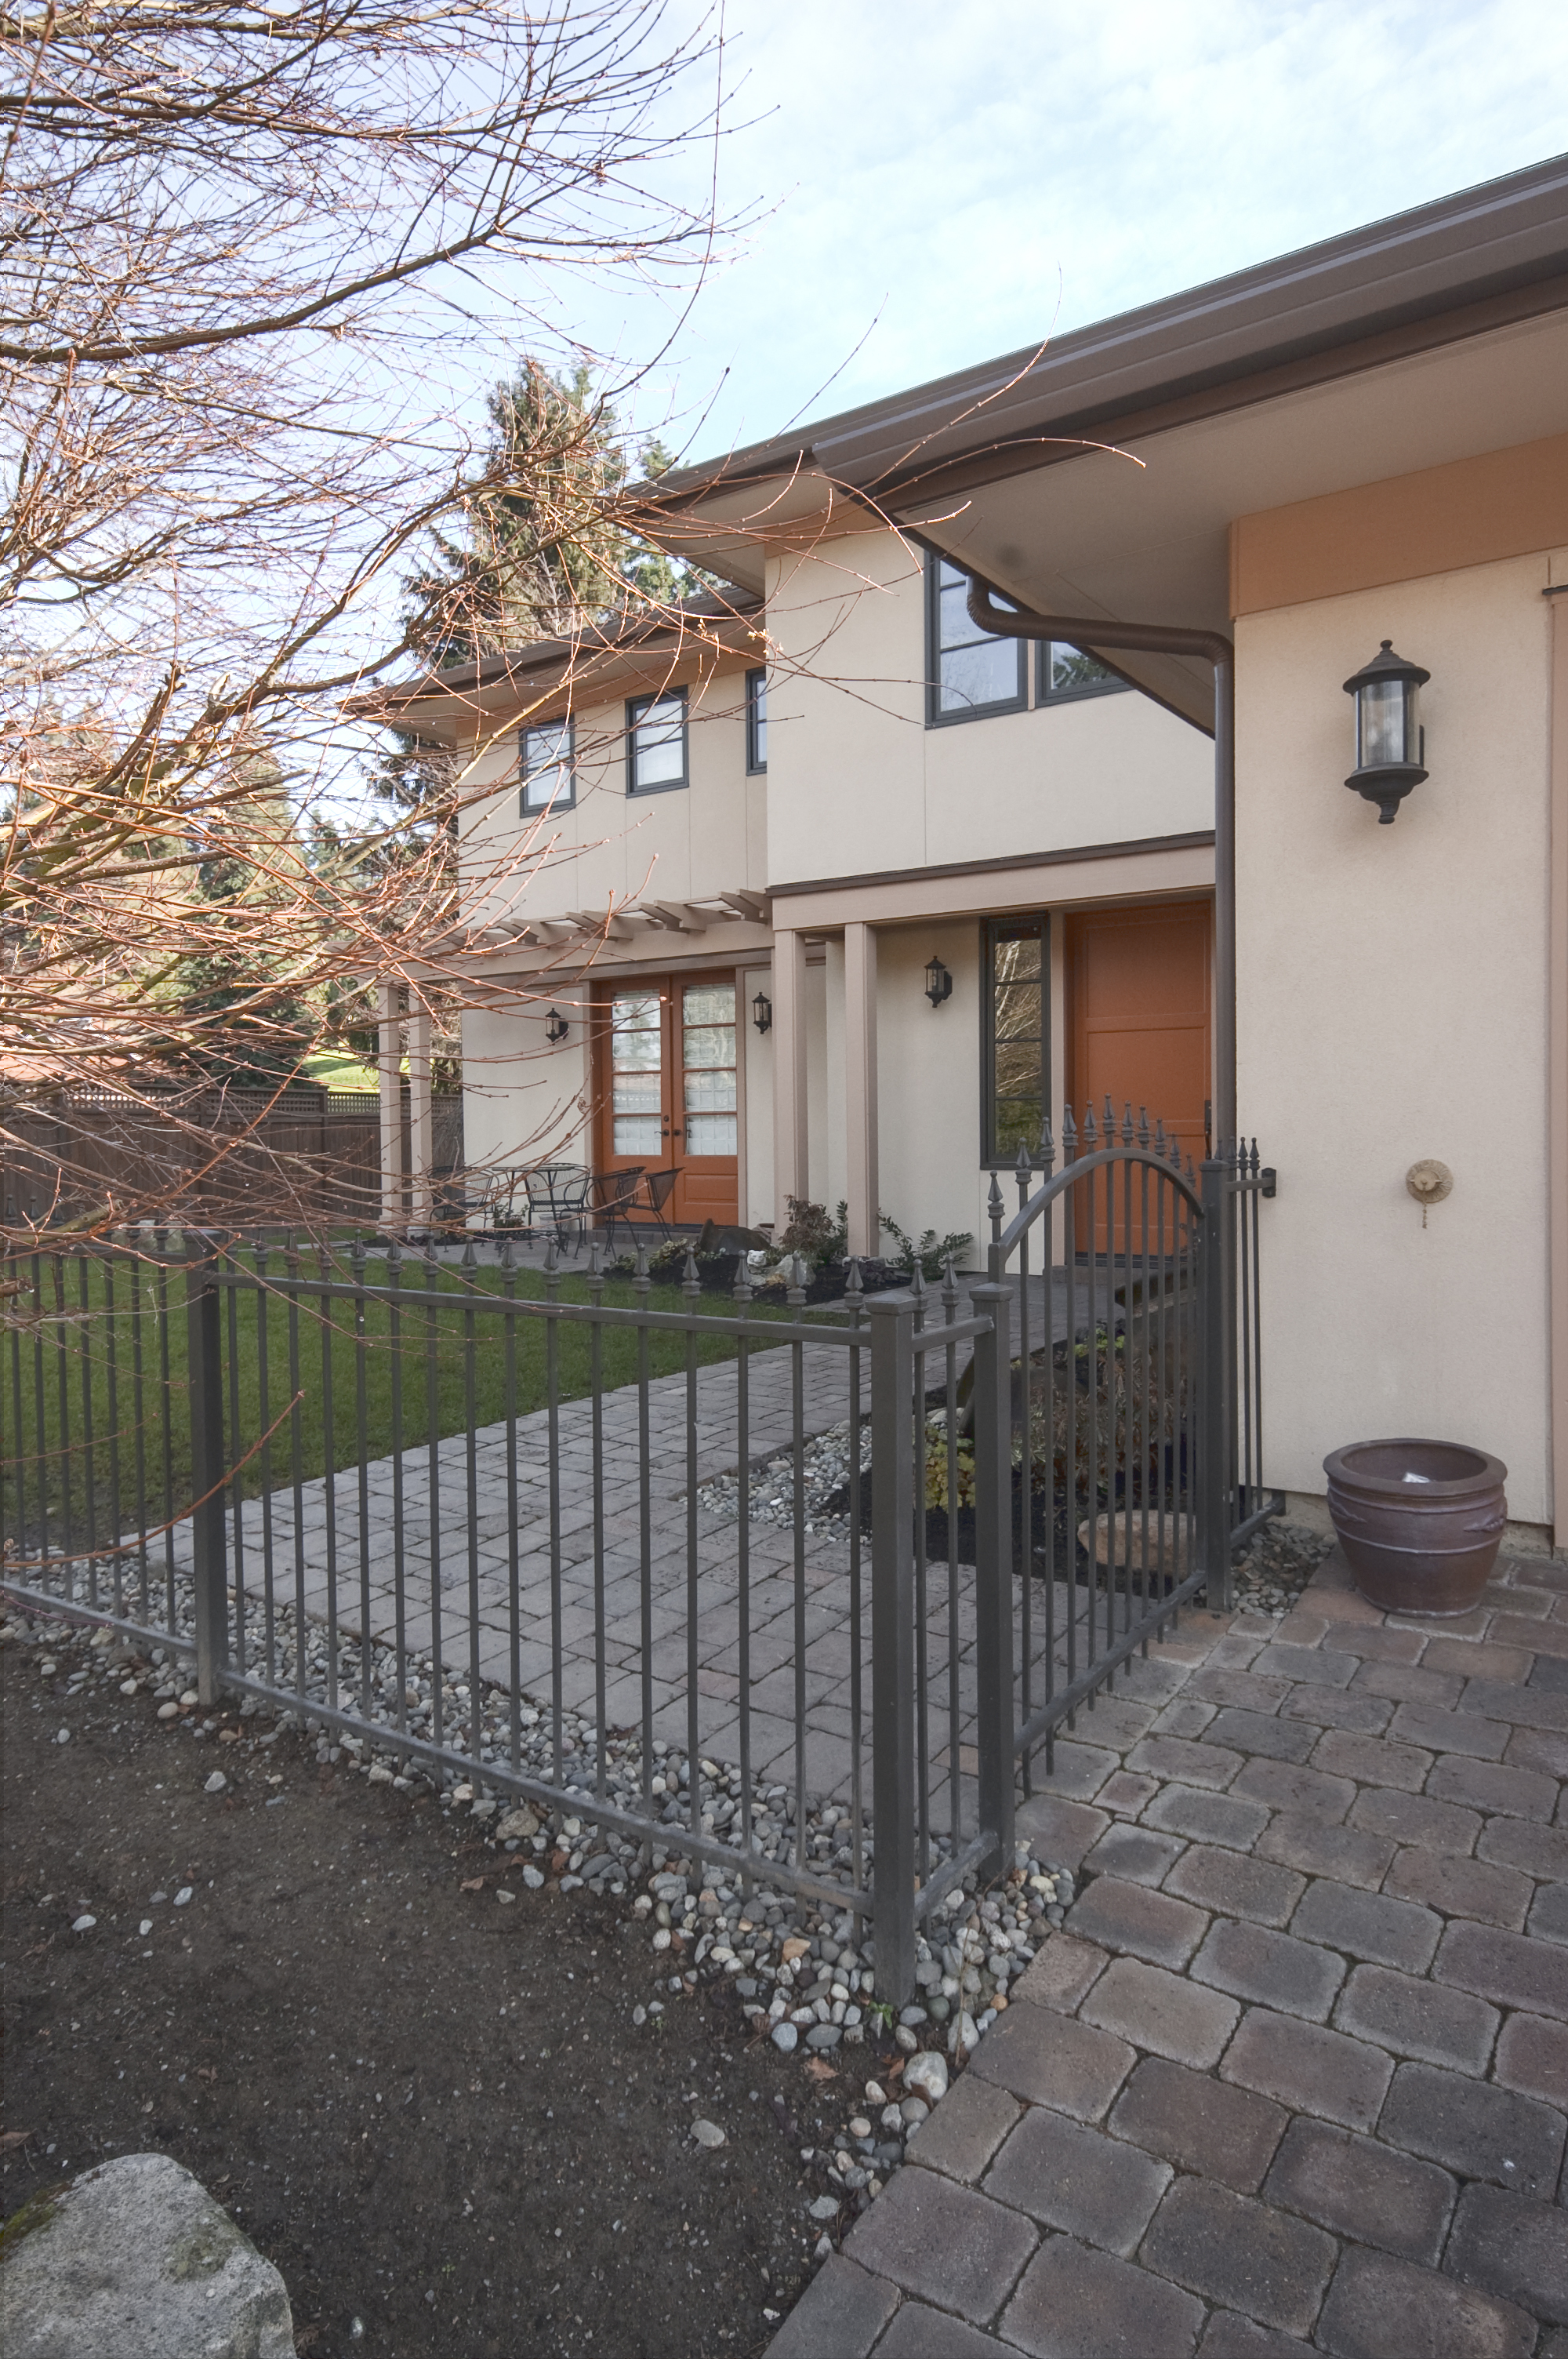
[657,743]
[1017,1038]
[756,722]
[549,778]
[969,672]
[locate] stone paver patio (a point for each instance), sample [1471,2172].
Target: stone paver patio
[1294,2073]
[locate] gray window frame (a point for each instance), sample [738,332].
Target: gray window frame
[935,716]
[637,709]
[1044,694]
[993,930]
[562,802]
[756,682]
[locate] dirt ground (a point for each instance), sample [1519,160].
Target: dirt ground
[431,2110]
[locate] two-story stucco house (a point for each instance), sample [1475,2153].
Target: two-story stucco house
[844,891]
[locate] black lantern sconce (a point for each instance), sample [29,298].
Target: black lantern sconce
[556,1027]
[1390,743]
[763,1012]
[938,983]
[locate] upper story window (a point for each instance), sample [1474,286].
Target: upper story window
[968,673]
[657,743]
[549,779]
[756,721]
[1065,672]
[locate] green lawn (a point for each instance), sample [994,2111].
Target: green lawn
[379,1378]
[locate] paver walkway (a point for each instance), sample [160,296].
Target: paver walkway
[1294,2074]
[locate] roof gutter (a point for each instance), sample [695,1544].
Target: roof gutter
[1089,632]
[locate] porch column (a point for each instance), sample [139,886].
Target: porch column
[389,1070]
[789,1072]
[860,1089]
[421,1124]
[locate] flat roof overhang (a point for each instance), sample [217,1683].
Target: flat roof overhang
[1101,474]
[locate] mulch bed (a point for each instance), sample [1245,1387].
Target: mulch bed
[433,2112]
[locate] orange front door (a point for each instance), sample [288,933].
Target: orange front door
[665,1089]
[1139,1016]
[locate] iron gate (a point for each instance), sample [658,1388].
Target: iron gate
[1125,1466]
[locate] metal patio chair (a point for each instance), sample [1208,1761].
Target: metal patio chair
[558,1197]
[610,1196]
[658,1187]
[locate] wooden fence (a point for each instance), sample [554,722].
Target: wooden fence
[246,1155]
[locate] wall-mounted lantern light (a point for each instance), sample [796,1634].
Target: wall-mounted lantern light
[763,1012]
[938,983]
[1390,743]
[556,1027]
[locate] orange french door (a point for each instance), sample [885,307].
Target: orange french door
[1140,1023]
[665,1089]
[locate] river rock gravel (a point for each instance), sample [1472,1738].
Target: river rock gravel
[460,2122]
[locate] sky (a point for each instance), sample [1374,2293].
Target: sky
[932,185]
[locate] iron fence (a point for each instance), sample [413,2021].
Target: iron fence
[381,1491]
[454,1513]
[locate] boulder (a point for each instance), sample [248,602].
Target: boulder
[136,2258]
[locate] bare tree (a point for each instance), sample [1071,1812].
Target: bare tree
[253,260]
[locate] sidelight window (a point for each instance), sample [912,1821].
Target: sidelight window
[1017,1040]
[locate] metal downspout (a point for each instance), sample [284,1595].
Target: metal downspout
[1089,633]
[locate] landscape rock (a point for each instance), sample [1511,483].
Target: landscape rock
[926,2076]
[785,2038]
[136,2258]
[708,2134]
[518,1825]
[216,1783]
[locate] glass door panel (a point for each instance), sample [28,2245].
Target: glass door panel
[636,1076]
[708,1066]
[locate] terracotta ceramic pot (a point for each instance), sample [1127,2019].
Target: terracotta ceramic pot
[1420,1522]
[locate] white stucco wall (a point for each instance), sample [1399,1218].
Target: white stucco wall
[858,784]
[686,843]
[929,1099]
[1392,1004]
[758,1051]
[523,1100]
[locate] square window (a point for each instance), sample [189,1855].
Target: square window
[546,765]
[756,722]
[657,743]
[1066,673]
[968,673]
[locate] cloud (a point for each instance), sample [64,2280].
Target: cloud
[985,175]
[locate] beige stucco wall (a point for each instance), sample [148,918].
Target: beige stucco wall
[523,1100]
[686,843]
[858,784]
[929,1098]
[1392,1004]
[758,1051]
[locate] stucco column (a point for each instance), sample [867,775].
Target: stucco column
[789,1074]
[860,1089]
[389,1070]
[421,1123]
